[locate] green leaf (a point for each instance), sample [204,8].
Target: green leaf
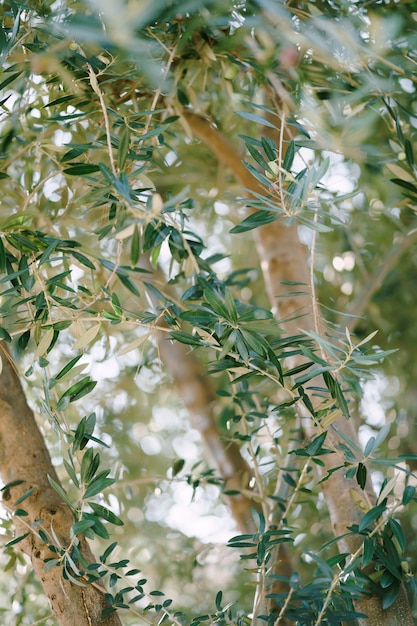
[45,256]
[81,169]
[408,494]
[9,80]
[60,491]
[340,398]
[252,117]
[191,340]
[20,513]
[84,432]
[254,342]
[24,496]
[368,551]
[254,221]
[130,286]
[61,100]
[257,156]
[124,140]
[289,157]
[50,563]
[77,391]
[98,484]
[135,247]
[315,446]
[269,147]
[68,367]
[390,595]
[405,184]
[313,356]
[81,527]
[218,601]
[2,256]
[260,177]
[216,302]
[83,259]
[382,435]
[74,152]
[398,533]
[13,483]
[361,474]
[370,447]
[371,516]
[16,540]
[89,465]
[5,335]
[105,514]
[177,466]
[108,551]
[408,149]
[71,472]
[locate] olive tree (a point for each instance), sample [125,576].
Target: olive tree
[204,208]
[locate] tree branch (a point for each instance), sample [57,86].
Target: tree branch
[285,260]
[358,306]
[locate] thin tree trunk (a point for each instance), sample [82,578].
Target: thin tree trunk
[24,457]
[284,260]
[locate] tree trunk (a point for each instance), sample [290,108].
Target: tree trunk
[24,457]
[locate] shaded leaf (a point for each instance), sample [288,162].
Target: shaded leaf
[81,169]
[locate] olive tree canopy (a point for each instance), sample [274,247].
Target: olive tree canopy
[207,309]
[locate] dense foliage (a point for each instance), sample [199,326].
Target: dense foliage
[133,300]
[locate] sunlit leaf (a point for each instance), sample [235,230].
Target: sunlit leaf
[105,514]
[253,117]
[60,491]
[44,343]
[87,337]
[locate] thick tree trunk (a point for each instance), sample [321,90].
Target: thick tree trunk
[285,260]
[24,457]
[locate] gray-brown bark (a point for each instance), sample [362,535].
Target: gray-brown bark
[285,259]
[24,457]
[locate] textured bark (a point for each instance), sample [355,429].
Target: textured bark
[284,259]
[24,457]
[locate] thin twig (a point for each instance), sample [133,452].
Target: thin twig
[314,300]
[284,606]
[95,87]
[166,71]
[352,558]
